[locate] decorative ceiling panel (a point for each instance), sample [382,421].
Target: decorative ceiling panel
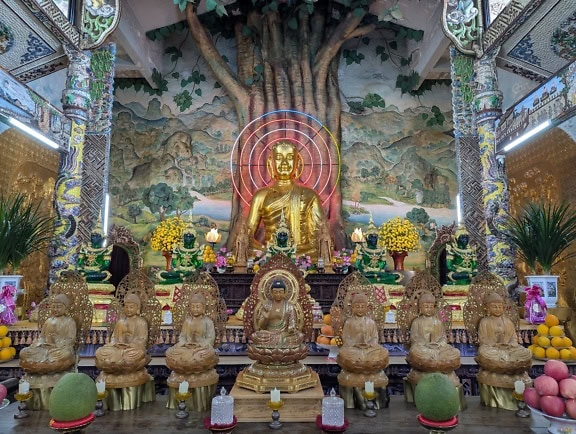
[543,42]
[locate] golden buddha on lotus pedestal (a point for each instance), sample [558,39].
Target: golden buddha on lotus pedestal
[492,321]
[278,323]
[301,206]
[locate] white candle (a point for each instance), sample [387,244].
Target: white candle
[369,387]
[183,387]
[275,395]
[519,387]
[101,386]
[23,387]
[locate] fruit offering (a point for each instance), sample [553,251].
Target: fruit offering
[550,341]
[326,336]
[554,392]
[7,351]
[208,256]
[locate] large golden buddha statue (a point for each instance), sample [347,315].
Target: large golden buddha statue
[301,205]
[492,320]
[278,323]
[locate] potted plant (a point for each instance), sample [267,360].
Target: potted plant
[24,229]
[542,234]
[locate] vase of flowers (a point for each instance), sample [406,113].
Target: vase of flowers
[167,235]
[221,260]
[541,234]
[341,260]
[398,236]
[304,262]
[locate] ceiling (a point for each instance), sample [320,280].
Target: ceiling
[537,47]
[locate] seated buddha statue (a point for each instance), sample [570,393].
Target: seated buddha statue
[361,351]
[300,205]
[461,260]
[194,352]
[54,350]
[429,347]
[126,354]
[499,350]
[371,259]
[186,257]
[281,242]
[94,259]
[278,323]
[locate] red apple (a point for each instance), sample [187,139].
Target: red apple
[571,408]
[568,388]
[546,385]
[552,405]
[556,369]
[532,398]
[3,392]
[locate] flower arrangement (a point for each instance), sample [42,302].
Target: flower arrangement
[168,234]
[399,235]
[221,258]
[304,262]
[342,257]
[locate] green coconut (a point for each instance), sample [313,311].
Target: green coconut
[436,397]
[73,397]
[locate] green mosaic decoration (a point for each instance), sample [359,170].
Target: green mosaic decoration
[462,23]
[99,19]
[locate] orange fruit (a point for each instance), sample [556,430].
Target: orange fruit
[567,341]
[327,319]
[539,352]
[327,330]
[333,341]
[531,348]
[552,353]
[5,354]
[573,351]
[3,331]
[323,340]
[565,354]
[542,330]
[5,342]
[535,339]
[543,341]
[551,320]
[557,341]
[13,350]
[556,331]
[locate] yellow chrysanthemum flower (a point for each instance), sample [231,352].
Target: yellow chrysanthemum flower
[399,235]
[168,234]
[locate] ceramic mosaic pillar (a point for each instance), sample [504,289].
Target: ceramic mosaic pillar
[76,104]
[467,152]
[488,108]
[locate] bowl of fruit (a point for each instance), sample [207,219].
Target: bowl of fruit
[554,397]
[326,339]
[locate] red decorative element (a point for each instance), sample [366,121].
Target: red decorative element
[168,256]
[450,423]
[398,258]
[177,294]
[380,294]
[219,428]
[73,424]
[330,428]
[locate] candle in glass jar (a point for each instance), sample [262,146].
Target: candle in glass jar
[275,395]
[183,387]
[333,410]
[369,387]
[519,387]
[222,409]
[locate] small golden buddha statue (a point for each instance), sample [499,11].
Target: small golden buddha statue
[301,205]
[54,350]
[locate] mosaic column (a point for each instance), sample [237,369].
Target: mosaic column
[488,108]
[469,168]
[96,161]
[76,104]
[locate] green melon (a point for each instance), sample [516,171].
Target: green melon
[73,397]
[436,397]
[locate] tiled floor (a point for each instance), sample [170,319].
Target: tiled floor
[400,417]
